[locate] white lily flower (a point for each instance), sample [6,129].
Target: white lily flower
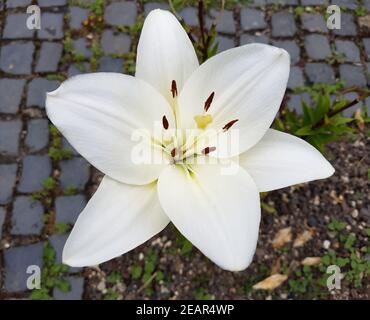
[240,89]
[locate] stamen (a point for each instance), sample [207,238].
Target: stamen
[173,152]
[174,89]
[207,150]
[208,102]
[165,123]
[228,125]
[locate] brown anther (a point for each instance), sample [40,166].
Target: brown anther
[207,150]
[228,125]
[173,152]
[174,89]
[208,102]
[165,122]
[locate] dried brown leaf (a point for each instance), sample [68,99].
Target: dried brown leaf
[282,237]
[302,238]
[311,261]
[275,268]
[271,282]
[359,120]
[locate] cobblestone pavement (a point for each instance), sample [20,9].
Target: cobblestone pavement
[36,209]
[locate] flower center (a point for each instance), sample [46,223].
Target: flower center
[185,146]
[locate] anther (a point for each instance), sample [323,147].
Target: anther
[173,152]
[174,89]
[228,125]
[165,122]
[207,150]
[208,102]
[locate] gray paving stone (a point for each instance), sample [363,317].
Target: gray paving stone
[66,145]
[16,261]
[283,2]
[368,75]
[8,176]
[291,47]
[190,16]
[155,5]
[78,68]
[52,26]
[58,241]
[319,73]
[296,78]
[252,19]
[37,90]
[10,134]
[366,42]
[120,13]
[313,22]
[2,219]
[68,208]
[224,43]
[367,104]
[247,38]
[11,91]
[257,3]
[295,102]
[283,24]
[313,2]
[27,216]
[17,3]
[77,17]
[226,23]
[317,46]
[108,64]
[349,4]
[37,134]
[348,49]
[51,3]
[352,75]
[49,58]
[16,57]
[36,169]
[348,26]
[16,27]
[115,43]
[74,173]
[76,292]
[366,4]
[81,47]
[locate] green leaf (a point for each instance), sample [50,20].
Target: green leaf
[268,208]
[62,228]
[40,294]
[63,285]
[114,277]
[304,131]
[322,107]
[339,119]
[136,272]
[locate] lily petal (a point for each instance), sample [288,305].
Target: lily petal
[99,114]
[218,212]
[164,53]
[279,160]
[248,83]
[118,218]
